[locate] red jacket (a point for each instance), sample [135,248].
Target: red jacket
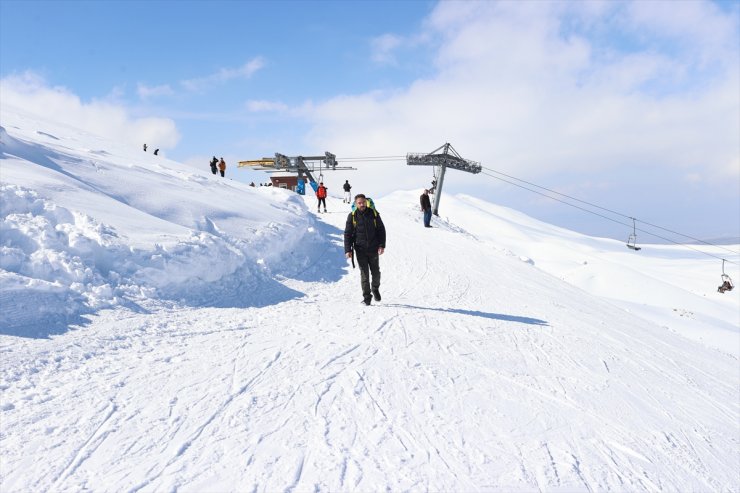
[321,192]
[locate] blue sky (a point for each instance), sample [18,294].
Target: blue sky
[631,105]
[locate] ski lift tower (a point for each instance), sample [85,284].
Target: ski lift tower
[442,161]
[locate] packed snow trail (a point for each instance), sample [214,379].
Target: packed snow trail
[477,372]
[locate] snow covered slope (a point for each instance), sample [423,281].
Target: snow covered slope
[87,224]
[221,345]
[671,285]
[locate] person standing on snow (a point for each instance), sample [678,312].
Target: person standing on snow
[426,208]
[144,147]
[321,195]
[347,187]
[214,163]
[156,152]
[364,236]
[222,166]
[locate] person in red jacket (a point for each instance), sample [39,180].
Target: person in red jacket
[321,195]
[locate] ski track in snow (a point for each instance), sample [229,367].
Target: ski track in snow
[320,393]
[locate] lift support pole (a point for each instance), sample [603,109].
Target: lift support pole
[443,161]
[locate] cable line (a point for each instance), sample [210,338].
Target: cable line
[370,158]
[614,212]
[608,218]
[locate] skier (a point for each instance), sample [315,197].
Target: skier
[222,166]
[144,147]
[347,187]
[156,152]
[321,195]
[214,163]
[364,235]
[426,208]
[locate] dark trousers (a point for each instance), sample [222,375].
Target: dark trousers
[322,199]
[222,172]
[369,263]
[214,170]
[427,217]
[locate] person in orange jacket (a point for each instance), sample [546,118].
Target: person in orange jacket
[321,195]
[222,166]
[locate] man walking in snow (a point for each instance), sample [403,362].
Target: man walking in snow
[214,163]
[222,166]
[347,187]
[426,208]
[321,195]
[364,237]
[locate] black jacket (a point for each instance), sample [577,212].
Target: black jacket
[425,204]
[365,232]
[347,187]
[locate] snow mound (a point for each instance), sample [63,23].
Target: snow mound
[58,263]
[86,225]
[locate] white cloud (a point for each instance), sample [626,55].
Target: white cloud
[538,89]
[224,75]
[146,92]
[383,48]
[257,106]
[699,27]
[32,93]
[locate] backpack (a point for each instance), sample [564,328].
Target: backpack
[321,192]
[370,205]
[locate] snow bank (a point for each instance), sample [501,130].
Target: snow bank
[58,264]
[87,225]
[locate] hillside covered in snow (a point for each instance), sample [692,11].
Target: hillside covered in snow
[162,328]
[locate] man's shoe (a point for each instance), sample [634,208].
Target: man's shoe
[367,301]
[376,294]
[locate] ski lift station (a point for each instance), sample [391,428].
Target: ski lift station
[299,168]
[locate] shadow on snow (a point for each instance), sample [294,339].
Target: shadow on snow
[476,313]
[328,263]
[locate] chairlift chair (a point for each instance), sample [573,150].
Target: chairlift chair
[726,281]
[632,240]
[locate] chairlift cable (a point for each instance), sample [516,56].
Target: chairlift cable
[370,158]
[614,212]
[609,218]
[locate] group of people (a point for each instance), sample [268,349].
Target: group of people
[218,166]
[156,151]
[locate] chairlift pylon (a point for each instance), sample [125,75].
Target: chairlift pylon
[726,281]
[632,240]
